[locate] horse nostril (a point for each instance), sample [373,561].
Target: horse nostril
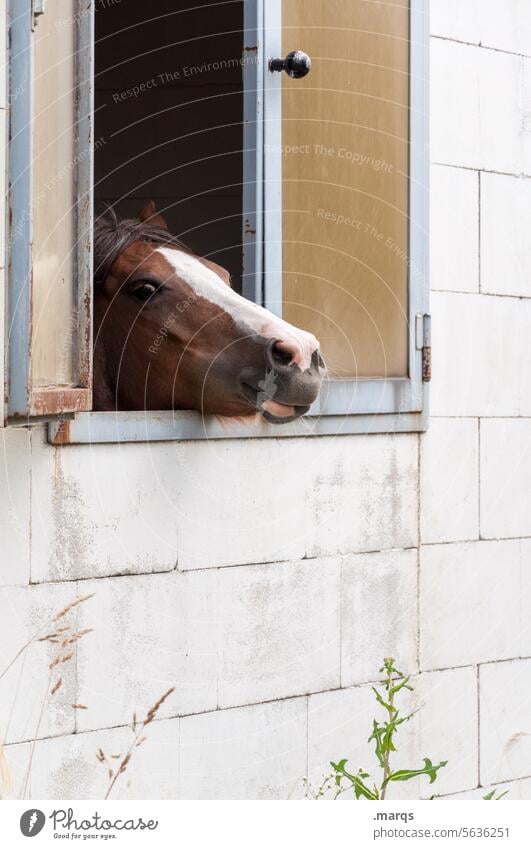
[280,354]
[317,360]
[283,353]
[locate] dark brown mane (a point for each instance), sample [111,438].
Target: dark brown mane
[113,235]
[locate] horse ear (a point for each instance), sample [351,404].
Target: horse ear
[149,213]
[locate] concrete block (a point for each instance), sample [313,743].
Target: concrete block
[449,481]
[515,790]
[470,609]
[505,721]
[505,24]
[505,248]
[448,721]
[279,630]
[525,624]
[476,107]
[378,614]
[15,506]
[455,20]
[27,709]
[363,494]
[339,725]
[481,355]
[505,477]
[67,767]
[500,24]
[526,116]
[256,752]
[103,510]
[254,496]
[454,229]
[150,633]
[443,728]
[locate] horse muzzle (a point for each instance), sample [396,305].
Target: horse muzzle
[281,390]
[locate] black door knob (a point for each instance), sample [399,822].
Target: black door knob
[296,64]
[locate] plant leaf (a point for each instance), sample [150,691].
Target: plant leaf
[381,701]
[492,795]
[400,686]
[429,769]
[360,789]
[377,735]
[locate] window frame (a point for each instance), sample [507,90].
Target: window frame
[23,400]
[361,396]
[347,406]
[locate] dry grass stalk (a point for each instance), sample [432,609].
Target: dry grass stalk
[138,739]
[6,781]
[79,707]
[123,765]
[152,712]
[56,635]
[71,606]
[56,686]
[49,637]
[73,638]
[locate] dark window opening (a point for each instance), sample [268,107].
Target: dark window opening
[168,119]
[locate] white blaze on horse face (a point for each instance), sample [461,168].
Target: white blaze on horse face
[208,285]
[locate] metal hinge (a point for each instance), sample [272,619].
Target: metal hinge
[423,343]
[38,8]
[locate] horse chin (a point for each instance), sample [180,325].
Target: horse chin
[276,413]
[254,417]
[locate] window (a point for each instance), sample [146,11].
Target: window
[168,119]
[345,213]
[50,222]
[312,191]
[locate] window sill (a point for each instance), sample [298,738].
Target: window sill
[167,426]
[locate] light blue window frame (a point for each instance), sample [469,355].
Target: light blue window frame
[25,402]
[381,397]
[345,406]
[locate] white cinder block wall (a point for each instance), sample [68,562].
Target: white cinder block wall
[265,580]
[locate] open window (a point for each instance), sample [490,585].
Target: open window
[168,119]
[346,196]
[312,191]
[50,208]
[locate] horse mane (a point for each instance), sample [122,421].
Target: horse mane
[113,235]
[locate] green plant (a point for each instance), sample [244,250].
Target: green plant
[491,797]
[361,784]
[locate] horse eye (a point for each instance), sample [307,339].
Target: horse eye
[145,290]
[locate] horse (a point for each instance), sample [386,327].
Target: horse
[171,334]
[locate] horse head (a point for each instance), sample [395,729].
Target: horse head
[170,333]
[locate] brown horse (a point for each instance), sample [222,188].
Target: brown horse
[170,333]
